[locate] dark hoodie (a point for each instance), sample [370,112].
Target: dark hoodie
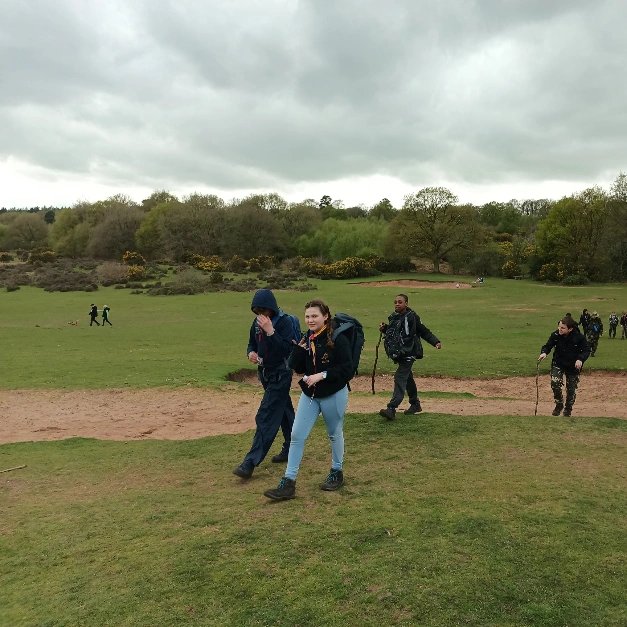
[568,348]
[274,349]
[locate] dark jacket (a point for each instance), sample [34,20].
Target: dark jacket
[274,350]
[412,331]
[568,349]
[337,362]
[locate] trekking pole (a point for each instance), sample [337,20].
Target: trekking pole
[535,412]
[376,359]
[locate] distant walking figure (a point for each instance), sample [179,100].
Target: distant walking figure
[105,315]
[93,314]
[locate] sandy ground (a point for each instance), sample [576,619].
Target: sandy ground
[186,413]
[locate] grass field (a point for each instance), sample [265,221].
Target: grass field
[444,520]
[495,330]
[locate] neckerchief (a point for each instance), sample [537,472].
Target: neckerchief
[312,344]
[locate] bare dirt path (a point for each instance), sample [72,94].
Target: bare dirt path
[187,413]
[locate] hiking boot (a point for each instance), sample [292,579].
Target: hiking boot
[414,408]
[388,412]
[334,481]
[284,491]
[558,409]
[567,411]
[244,471]
[280,458]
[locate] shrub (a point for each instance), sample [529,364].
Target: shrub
[133,258]
[135,272]
[237,264]
[112,272]
[510,269]
[6,257]
[576,279]
[552,272]
[42,256]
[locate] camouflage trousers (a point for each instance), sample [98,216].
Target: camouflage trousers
[557,383]
[593,342]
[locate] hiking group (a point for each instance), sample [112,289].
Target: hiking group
[326,357]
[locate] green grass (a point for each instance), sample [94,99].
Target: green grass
[492,331]
[443,521]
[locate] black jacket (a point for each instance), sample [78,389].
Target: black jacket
[413,330]
[337,362]
[275,349]
[568,349]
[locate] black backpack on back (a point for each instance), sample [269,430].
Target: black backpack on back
[354,332]
[393,340]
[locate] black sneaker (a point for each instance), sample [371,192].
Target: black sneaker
[414,408]
[280,458]
[388,413]
[334,481]
[567,411]
[558,409]
[284,491]
[244,471]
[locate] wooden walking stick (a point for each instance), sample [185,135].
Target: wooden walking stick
[376,359]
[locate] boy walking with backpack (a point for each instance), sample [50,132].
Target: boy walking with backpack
[272,336]
[403,346]
[594,332]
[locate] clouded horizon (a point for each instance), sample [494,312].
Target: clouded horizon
[356,99]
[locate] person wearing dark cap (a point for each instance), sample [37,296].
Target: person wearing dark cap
[93,314]
[271,339]
[571,351]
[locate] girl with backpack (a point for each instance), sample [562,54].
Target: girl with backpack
[327,366]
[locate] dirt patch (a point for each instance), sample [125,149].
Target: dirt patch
[187,413]
[429,285]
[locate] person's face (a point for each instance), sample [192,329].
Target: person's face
[315,319]
[562,329]
[400,304]
[262,311]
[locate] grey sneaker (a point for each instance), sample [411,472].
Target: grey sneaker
[414,408]
[334,481]
[388,413]
[284,491]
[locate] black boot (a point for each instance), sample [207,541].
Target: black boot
[244,471]
[567,410]
[414,408]
[281,457]
[388,412]
[284,491]
[558,409]
[334,481]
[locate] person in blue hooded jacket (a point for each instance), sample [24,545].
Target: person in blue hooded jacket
[269,346]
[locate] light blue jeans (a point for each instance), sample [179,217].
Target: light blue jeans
[332,409]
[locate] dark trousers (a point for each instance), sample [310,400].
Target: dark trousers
[404,380]
[106,320]
[276,410]
[557,383]
[94,320]
[613,330]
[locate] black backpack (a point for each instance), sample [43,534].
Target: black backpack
[393,340]
[354,333]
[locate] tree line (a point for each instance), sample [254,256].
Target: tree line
[575,239]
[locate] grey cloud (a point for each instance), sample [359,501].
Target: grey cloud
[251,94]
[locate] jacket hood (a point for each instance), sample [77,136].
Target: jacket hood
[265,298]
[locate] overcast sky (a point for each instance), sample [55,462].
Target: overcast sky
[357,99]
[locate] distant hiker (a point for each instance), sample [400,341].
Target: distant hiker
[584,321]
[93,314]
[571,351]
[594,332]
[327,362]
[105,315]
[613,320]
[403,346]
[623,324]
[272,337]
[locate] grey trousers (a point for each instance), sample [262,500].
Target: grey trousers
[404,380]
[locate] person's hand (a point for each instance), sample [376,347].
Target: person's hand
[579,364]
[312,379]
[265,324]
[383,327]
[542,356]
[438,345]
[253,357]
